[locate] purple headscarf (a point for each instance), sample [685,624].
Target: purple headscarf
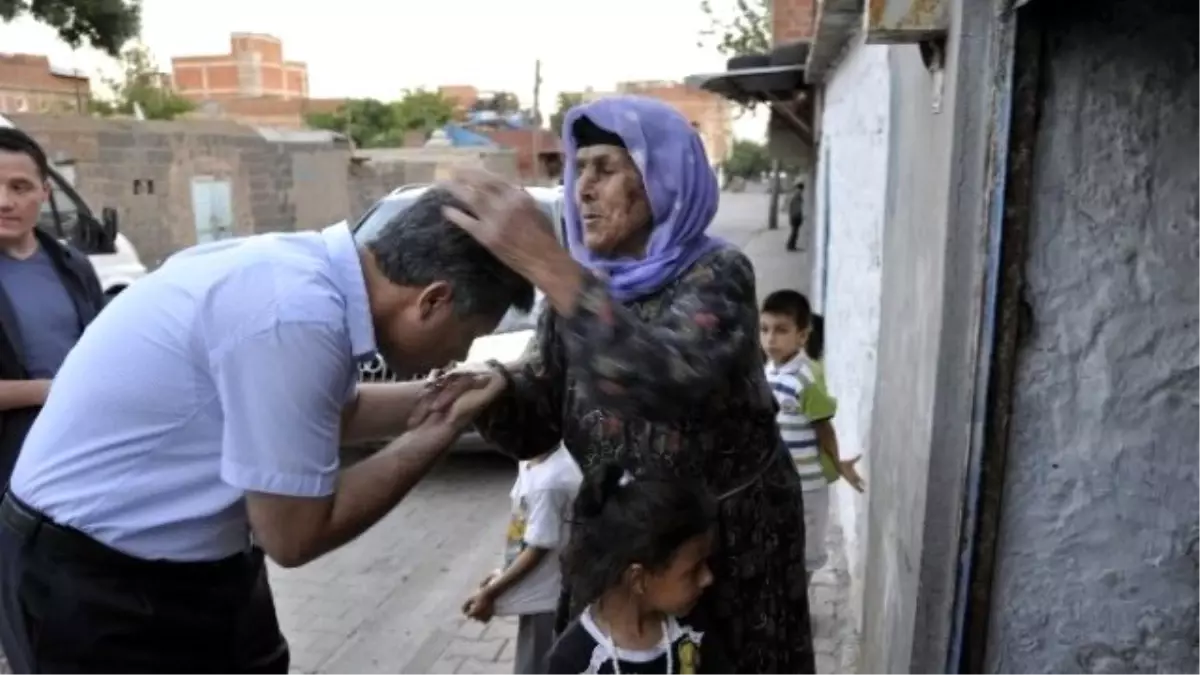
[681,186]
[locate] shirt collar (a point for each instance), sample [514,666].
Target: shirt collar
[791,367]
[348,275]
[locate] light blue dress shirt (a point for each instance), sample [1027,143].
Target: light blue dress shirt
[224,371]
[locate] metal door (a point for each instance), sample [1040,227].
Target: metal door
[212,204]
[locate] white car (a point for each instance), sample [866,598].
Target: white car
[119,269]
[514,332]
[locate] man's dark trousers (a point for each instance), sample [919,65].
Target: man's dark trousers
[794,237]
[73,605]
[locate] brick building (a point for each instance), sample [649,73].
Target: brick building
[792,21]
[28,83]
[253,68]
[710,114]
[462,95]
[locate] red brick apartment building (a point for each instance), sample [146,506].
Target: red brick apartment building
[253,68]
[792,20]
[710,114]
[28,83]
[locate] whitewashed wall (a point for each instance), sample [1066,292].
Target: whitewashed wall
[851,193]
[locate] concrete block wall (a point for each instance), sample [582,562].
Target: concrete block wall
[144,170]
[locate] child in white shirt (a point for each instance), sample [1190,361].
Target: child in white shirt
[531,581]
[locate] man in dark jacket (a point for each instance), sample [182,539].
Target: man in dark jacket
[796,214]
[48,293]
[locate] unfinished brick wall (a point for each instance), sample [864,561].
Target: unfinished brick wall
[29,84]
[792,20]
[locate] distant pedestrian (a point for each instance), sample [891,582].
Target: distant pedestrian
[530,584]
[796,214]
[638,558]
[805,414]
[195,428]
[50,293]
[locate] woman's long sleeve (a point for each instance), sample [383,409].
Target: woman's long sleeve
[661,369]
[526,420]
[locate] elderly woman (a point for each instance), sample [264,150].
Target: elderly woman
[650,355]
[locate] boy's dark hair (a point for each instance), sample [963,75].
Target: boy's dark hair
[791,304]
[17,141]
[418,246]
[816,338]
[615,525]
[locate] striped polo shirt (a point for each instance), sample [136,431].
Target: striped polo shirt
[800,392]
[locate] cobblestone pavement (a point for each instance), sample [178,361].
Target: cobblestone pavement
[460,646]
[371,606]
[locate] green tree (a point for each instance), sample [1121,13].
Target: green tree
[104,24]
[745,28]
[566,101]
[375,124]
[423,110]
[141,86]
[747,160]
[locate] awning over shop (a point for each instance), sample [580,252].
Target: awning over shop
[752,85]
[776,78]
[751,78]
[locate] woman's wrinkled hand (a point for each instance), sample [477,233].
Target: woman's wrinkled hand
[455,398]
[506,219]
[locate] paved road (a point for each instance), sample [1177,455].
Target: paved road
[370,606]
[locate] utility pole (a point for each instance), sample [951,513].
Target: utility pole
[537,120]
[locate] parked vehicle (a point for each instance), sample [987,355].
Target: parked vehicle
[515,330]
[69,218]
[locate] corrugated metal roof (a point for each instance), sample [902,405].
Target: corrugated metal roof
[426,154]
[278,135]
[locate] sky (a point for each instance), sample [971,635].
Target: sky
[379,48]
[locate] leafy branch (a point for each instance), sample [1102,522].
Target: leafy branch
[104,24]
[141,86]
[744,30]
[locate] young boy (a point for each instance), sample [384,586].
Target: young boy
[805,414]
[531,581]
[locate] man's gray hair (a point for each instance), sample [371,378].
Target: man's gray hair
[418,246]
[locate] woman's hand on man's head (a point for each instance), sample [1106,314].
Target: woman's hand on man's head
[508,222]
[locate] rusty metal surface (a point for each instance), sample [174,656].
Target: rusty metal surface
[904,21]
[836,22]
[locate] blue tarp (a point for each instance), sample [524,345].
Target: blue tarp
[461,137]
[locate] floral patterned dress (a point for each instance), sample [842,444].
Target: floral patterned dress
[674,382]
